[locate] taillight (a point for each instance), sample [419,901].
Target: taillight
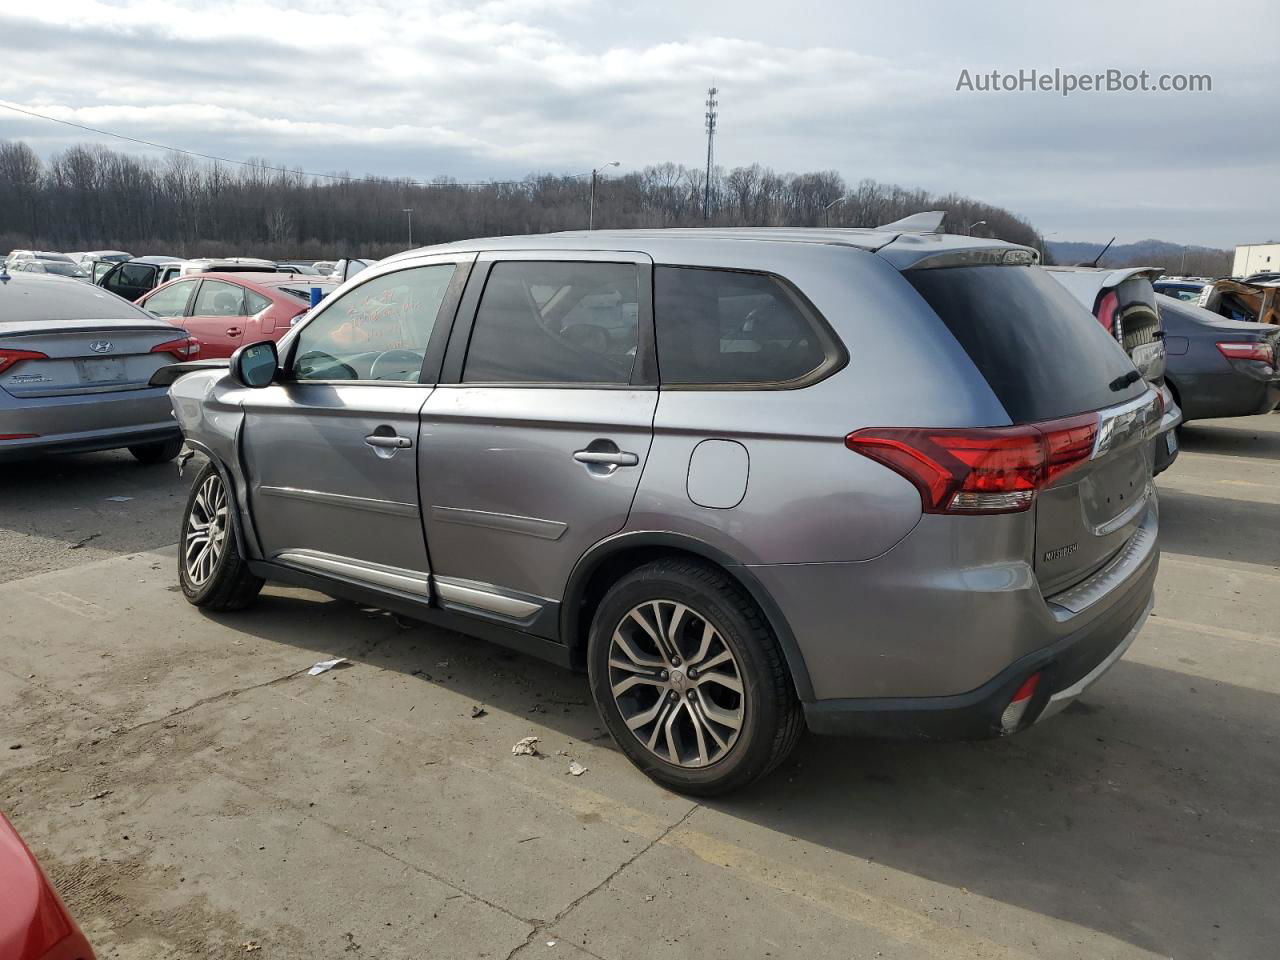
[984,469]
[9,357]
[18,436]
[185,348]
[1108,313]
[1262,352]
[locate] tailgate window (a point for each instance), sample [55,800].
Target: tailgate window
[1042,353]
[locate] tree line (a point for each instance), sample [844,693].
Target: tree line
[92,197]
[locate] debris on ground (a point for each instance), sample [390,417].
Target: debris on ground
[251,945]
[99,795]
[478,711]
[324,666]
[576,769]
[526,747]
[83,540]
[119,499]
[442,664]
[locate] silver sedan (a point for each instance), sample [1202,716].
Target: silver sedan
[74,366]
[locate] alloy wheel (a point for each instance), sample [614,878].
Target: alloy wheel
[206,533]
[677,683]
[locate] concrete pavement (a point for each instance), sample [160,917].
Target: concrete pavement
[194,793]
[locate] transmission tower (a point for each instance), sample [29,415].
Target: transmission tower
[712,103]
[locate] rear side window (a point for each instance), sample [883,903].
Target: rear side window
[1042,353]
[555,323]
[723,327]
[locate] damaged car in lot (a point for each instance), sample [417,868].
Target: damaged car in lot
[74,368]
[1123,300]
[872,482]
[1218,367]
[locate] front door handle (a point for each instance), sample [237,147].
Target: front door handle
[620,459]
[396,443]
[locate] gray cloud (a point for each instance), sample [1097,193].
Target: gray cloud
[509,86]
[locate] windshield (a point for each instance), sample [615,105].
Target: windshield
[63,269]
[1043,354]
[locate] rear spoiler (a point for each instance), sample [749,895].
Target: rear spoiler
[168,375]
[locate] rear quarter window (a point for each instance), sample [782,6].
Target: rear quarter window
[737,329]
[1042,353]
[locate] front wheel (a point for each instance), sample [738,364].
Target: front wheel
[690,679]
[211,570]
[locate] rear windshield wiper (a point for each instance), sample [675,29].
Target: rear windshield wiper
[1120,382]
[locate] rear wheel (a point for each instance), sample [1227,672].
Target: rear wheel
[152,453]
[211,570]
[690,679]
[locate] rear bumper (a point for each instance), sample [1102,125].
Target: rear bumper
[1067,669]
[103,421]
[1165,447]
[932,639]
[1234,393]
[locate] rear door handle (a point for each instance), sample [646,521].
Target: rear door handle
[620,459]
[397,443]
[234,331]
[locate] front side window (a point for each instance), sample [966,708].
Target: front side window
[170,301]
[730,328]
[376,331]
[555,322]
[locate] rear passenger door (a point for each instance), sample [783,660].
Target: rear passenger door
[533,444]
[218,318]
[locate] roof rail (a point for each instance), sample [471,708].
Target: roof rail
[930,221]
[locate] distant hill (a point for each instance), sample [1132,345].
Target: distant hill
[1200,261]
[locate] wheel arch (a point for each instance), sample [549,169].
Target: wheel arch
[233,495]
[608,560]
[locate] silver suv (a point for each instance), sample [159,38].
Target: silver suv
[870,482]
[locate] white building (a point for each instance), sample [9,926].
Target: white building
[1256,258]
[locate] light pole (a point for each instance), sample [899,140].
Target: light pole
[1044,244]
[591,207]
[827,209]
[969,228]
[409,211]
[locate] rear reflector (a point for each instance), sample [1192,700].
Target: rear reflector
[18,436]
[1262,352]
[984,469]
[1017,708]
[9,357]
[186,348]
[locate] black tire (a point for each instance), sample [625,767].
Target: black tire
[771,719]
[153,453]
[224,582]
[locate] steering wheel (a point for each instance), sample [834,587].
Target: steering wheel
[393,364]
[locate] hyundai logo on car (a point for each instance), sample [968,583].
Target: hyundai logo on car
[100,346]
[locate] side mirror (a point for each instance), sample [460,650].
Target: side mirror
[255,364]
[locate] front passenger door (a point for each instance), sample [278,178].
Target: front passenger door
[130,280]
[331,451]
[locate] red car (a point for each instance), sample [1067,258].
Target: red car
[34,922]
[224,311]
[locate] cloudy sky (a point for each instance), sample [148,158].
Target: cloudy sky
[477,90]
